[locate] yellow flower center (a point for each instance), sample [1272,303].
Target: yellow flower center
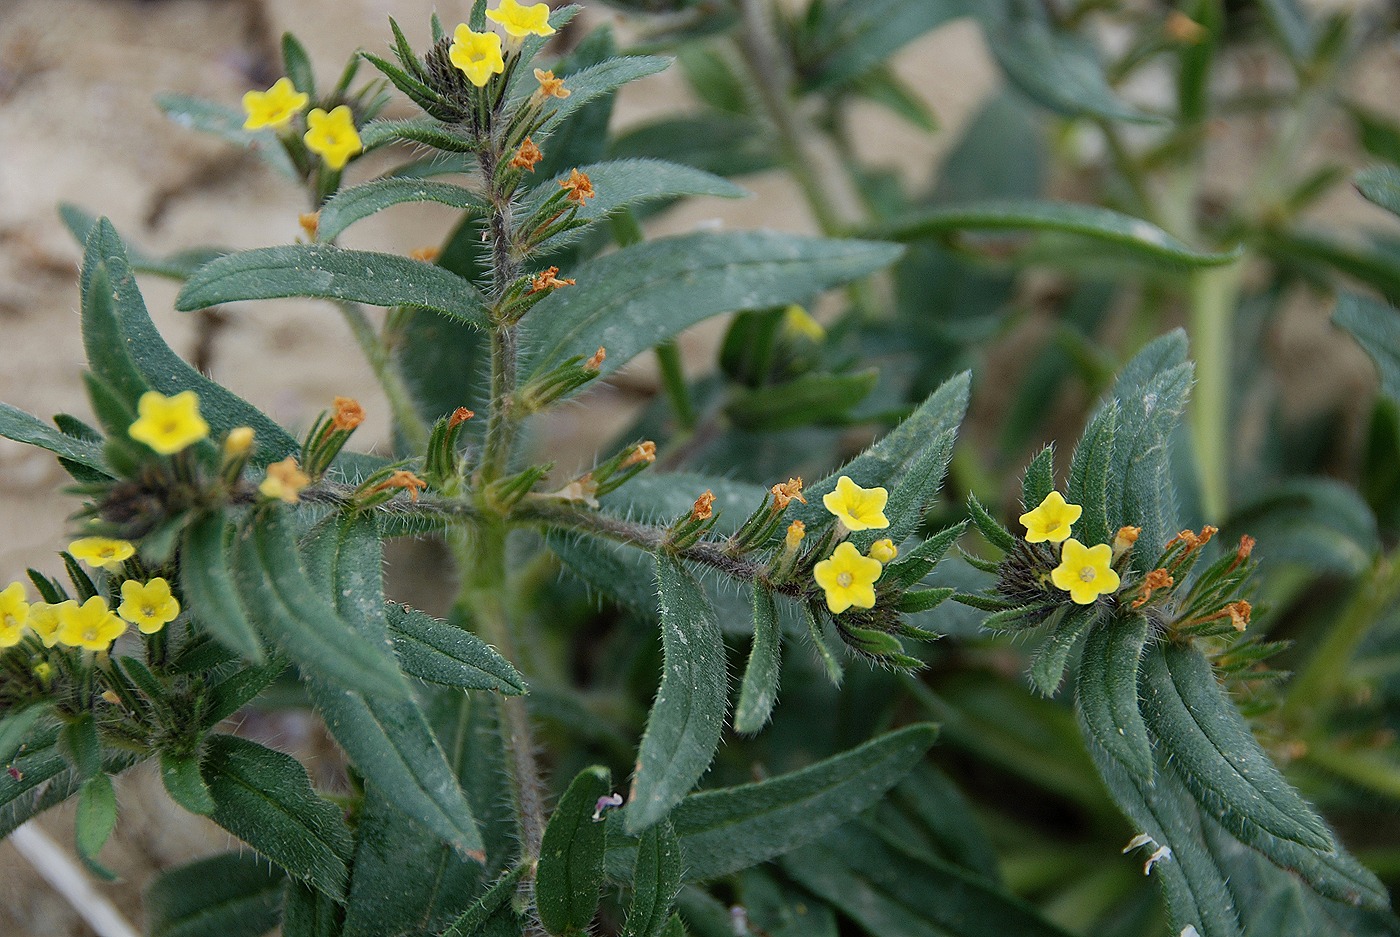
[149,611]
[1087,574]
[90,633]
[845,580]
[9,621]
[107,553]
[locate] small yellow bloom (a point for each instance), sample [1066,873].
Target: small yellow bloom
[14,613]
[477,55]
[285,481]
[1050,521]
[273,107]
[799,321]
[102,552]
[90,625]
[44,619]
[883,550]
[148,606]
[168,424]
[856,507]
[1084,572]
[519,20]
[333,136]
[848,578]
[796,532]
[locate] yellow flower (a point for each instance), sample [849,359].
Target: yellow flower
[273,107]
[332,136]
[477,55]
[149,607]
[856,507]
[795,533]
[14,612]
[798,321]
[848,578]
[1084,572]
[883,550]
[168,424]
[102,552]
[520,21]
[284,481]
[90,625]
[43,620]
[1051,521]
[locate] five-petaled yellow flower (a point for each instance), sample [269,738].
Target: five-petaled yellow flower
[332,136]
[1051,521]
[519,20]
[285,481]
[148,606]
[14,613]
[273,107]
[856,507]
[477,55]
[90,625]
[1085,572]
[102,552]
[168,424]
[848,578]
[883,550]
[43,620]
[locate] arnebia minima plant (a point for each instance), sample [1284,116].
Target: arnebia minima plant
[697,688]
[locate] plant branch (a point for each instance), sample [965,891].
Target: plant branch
[376,352]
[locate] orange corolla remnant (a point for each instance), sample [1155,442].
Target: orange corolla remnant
[1182,28]
[1239,614]
[1157,579]
[579,185]
[551,87]
[645,452]
[547,280]
[787,492]
[401,479]
[285,481]
[426,254]
[527,156]
[704,506]
[1194,541]
[1242,552]
[459,416]
[348,414]
[310,223]
[596,362]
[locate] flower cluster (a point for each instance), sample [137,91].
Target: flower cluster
[480,55]
[92,624]
[1084,572]
[331,134]
[848,577]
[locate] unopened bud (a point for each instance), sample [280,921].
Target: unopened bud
[239,442]
[644,453]
[795,532]
[883,550]
[310,223]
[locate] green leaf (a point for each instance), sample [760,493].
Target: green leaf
[1106,694]
[636,298]
[893,894]
[176,266]
[96,816]
[81,747]
[862,35]
[1039,479]
[474,921]
[1134,237]
[988,526]
[656,880]
[1381,184]
[358,202]
[1088,476]
[424,130]
[388,740]
[1209,742]
[806,399]
[1376,328]
[297,65]
[1058,70]
[21,427]
[324,272]
[1319,524]
[593,82]
[685,723]
[265,799]
[16,729]
[724,144]
[439,652]
[777,908]
[1051,658]
[226,895]
[759,691]
[308,913]
[209,588]
[292,612]
[570,872]
[725,830]
[185,784]
[227,122]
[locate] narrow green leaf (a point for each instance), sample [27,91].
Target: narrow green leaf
[226,895]
[725,830]
[1051,658]
[81,747]
[185,784]
[1039,479]
[422,130]
[308,913]
[674,927]
[96,816]
[777,908]
[759,691]
[595,81]
[1376,328]
[997,535]
[1106,695]
[228,696]
[226,122]
[867,33]
[1135,237]
[1189,712]
[809,398]
[209,588]
[1381,184]
[1088,476]
[358,202]
[633,299]
[16,729]
[473,922]
[570,872]
[724,144]
[439,652]
[684,726]
[21,427]
[297,65]
[324,272]
[176,266]
[656,880]
[265,799]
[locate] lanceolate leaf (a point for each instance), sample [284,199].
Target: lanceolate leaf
[1376,328]
[759,690]
[655,881]
[636,298]
[324,272]
[1133,236]
[265,799]
[1381,184]
[21,427]
[597,80]
[1218,757]
[351,205]
[570,872]
[210,590]
[226,122]
[1088,476]
[1039,479]
[439,652]
[176,266]
[867,33]
[1048,666]
[684,727]
[227,895]
[1107,692]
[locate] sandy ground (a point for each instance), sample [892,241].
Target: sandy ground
[77,124]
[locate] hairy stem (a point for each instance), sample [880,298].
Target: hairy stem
[505,352]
